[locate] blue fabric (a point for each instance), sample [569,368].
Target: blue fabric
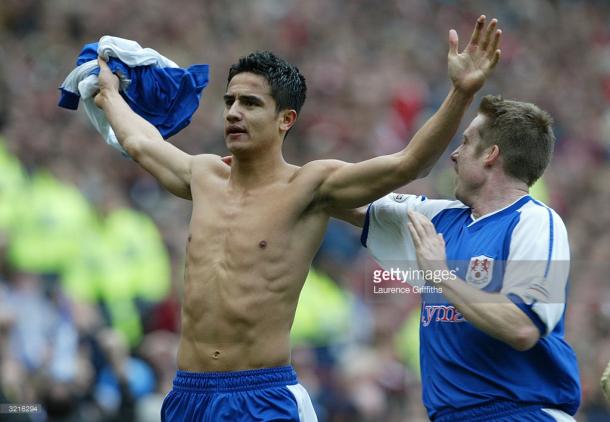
[165,97]
[365,228]
[498,412]
[462,366]
[241,396]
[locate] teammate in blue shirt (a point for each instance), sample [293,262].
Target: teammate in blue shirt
[492,327]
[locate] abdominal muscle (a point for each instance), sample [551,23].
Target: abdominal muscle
[248,255]
[241,293]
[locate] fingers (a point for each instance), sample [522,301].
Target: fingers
[476,34]
[453,42]
[496,58]
[489,33]
[496,40]
[423,224]
[102,63]
[421,228]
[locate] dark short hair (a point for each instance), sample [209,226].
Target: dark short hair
[523,133]
[288,87]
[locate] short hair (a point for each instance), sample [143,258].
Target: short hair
[288,87]
[523,133]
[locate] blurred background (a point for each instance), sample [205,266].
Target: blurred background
[92,250]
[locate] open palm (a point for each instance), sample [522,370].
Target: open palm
[469,69]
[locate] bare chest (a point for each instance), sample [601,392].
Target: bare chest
[262,225]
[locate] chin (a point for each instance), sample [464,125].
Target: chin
[236,145]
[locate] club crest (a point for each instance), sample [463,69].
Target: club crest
[399,197]
[480,271]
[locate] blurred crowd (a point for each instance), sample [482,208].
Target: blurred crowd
[92,250]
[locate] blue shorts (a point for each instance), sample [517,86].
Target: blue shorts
[506,412]
[270,394]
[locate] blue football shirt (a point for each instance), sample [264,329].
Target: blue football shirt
[520,251]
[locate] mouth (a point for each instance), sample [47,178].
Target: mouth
[234,131]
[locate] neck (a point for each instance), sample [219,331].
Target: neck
[492,197]
[257,169]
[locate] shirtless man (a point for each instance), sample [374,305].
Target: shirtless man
[257,224]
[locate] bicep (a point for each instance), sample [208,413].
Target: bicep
[167,163]
[349,185]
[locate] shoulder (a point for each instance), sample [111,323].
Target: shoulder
[320,167]
[539,233]
[315,172]
[535,214]
[205,164]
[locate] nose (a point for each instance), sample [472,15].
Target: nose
[454,154]
[233,114]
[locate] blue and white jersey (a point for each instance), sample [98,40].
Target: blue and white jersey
[154,86]
[520,251]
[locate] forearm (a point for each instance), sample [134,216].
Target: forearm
[128,126]
[492,313]
[434,136]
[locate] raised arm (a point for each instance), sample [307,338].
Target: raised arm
[351,185]
[168,164]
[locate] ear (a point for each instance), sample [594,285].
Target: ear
[491,155]
[287,119]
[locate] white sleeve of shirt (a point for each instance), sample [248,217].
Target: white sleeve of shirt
[386,235]
[538,263]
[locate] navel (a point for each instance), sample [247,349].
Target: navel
[216,354]
[262,244]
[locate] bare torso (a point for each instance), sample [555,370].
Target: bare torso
[248,255]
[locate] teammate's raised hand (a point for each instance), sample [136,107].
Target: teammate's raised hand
[469,69]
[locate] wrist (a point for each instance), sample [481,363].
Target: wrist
[461,94]
[106,97]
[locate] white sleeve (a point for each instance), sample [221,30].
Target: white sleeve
[538,263]
[385,233]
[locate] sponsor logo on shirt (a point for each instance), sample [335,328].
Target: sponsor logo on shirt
[440,313]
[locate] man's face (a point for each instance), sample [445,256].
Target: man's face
[469,162]
[250,117]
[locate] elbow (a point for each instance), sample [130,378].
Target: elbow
[411,167]
[525,338]
[408,169]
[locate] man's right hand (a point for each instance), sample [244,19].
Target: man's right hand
[108,82]
[469,69]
